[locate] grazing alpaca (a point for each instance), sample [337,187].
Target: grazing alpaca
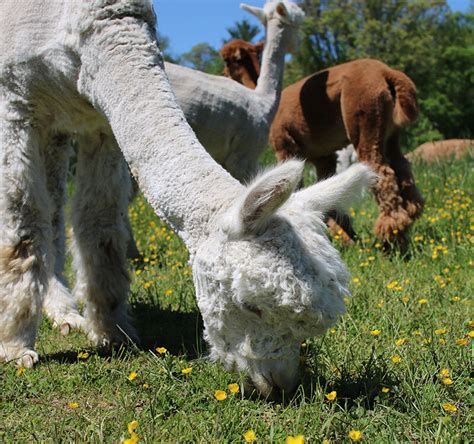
[242,61]
[266,276]
[431,152]
[365,103]
[231,121]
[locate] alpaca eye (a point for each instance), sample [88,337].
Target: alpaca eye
[253,309]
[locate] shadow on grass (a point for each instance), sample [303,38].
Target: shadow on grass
[180,333]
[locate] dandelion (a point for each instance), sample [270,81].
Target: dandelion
[447,381]
[20,371]
[147,285]
[456,299]
[298,439]
[444,373]
[82,355]
[132,376]
[392,285]
[422,301]
[462,341]
[405,299]
[356,280]
[168,292]
[132,426]
[220,395]
[441,331]
[448,407]
[161,350]
[187,370]
[470,324]
[375,332]
[471,334]
[73,405]
[250,436]
[233,388]
[385,389]
[146,386]
[396,359]
[417,333]
[331,396]
[442,341]
[355,435]
[400,342]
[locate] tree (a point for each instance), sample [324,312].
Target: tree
[203,57]
[243,30]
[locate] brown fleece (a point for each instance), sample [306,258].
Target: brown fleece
[431,152]
[366,103]
[242,61]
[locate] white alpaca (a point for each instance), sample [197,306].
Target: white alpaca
[266,276]
[230,120]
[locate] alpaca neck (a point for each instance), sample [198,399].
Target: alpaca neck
[273,59]
[178,178]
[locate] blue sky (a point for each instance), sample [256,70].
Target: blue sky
[188,22]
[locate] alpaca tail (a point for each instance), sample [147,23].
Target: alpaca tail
[403,91]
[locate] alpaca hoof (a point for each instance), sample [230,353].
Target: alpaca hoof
[28,359]
[64,329]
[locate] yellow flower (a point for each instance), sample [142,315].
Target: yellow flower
[220,395]
[132,440]
[133,375]
[392,285]
[73,405]
[375,332]
[161,350]
[168,292]
[132,426]
[422,301]
[186,370]
[405,299]
[396,359]
[82,355]
[145,386]
[417,333]
[147,285]
[447,381]
[250,436]
[331,396]
[470,324]
[462,341]
[20,371]
[234,388]
[456,299]
[298,439]
[441,331]
[385,389]
[471,334]
[400,342]
[355,435]
[356,280]
[447,407]
[444,373]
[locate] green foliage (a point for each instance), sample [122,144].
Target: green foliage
[423,38]
[243,30]
[203,57]
[72,397]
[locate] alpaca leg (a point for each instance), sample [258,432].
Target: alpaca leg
[59,304]
[413,201]
[337,221]
[100,236]
[25,235]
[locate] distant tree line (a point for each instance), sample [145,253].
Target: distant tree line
[423,38]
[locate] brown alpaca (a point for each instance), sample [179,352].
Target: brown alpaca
[366,103]
[242,61]
[431,152]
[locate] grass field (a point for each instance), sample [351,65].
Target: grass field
[396,368]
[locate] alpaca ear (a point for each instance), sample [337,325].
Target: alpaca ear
[267,193]
[257,12]
[281,9]
[339,191]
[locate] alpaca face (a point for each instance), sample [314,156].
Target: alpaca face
[267,278]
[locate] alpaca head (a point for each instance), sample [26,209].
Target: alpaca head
[267,277]
[287,14]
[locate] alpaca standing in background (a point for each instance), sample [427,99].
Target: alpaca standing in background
[365,103]
[431,152]
[266,276]
[231,121]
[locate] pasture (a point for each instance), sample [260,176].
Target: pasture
[396,368]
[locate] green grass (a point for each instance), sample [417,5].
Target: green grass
[388,295]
